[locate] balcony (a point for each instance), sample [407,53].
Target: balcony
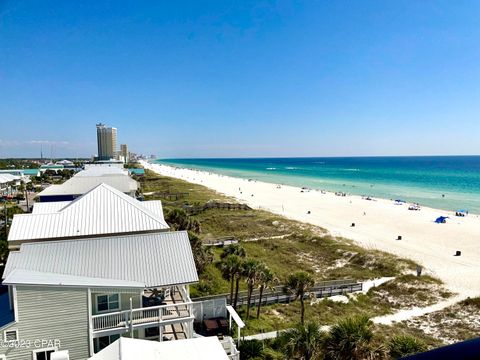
[142,317]
[177,310]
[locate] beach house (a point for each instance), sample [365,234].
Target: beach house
[81,295]
[9,183]
[102,211]
[87,179]
[79,185]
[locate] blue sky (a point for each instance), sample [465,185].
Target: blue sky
[241,78]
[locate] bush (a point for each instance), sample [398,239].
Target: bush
[403,345]
[250,349]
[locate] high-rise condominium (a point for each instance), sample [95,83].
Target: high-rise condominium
[106,141]
[124,152]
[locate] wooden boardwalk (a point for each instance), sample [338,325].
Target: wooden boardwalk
[279,295]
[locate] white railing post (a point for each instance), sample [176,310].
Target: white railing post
[131,318]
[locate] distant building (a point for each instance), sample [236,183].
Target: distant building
[124,152]
[66,164]
[81,184]
[106,142]
[52,167]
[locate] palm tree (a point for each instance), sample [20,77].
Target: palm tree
[231,267]
[202,255]
[298,284]
[303,342]
[251,270]
[238,276]
[233,249]
[251,349]
[351,338]
[404,345]
[178,220]
[266,281]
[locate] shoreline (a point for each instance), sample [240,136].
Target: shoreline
[429,192]
[378,223]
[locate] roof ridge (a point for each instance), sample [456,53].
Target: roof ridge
[74,201]
[133,202]
[99,237]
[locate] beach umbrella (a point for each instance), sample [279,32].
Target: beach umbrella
[441,219]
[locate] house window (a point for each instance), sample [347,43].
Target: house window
[108,302]
[10,335]
[43,354]
[152,332]
[103,341]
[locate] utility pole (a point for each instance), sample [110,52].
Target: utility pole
[6,217]
[26,197]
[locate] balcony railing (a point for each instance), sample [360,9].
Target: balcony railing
[230,348]
[141,317]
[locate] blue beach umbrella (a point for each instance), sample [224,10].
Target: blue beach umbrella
[441,219]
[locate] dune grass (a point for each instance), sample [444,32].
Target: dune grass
[286,246]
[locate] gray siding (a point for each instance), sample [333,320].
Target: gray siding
[124,299]
[51,313]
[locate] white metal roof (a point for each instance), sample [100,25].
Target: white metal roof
[155,206]
[48,207]
[202,348]
[103,210]
[101,171]
[82,184]
[6,178]
[155,259]
[28,277]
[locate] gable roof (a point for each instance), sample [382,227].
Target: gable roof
[102,171]
[102,210]
[29,277]
[6,178]
[49,207]
[140,260]
[79,185]
[155,206]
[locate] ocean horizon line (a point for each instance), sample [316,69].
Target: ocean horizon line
[314,157]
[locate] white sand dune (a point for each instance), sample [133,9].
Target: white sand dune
[377,224]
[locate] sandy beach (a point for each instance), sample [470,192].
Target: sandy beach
[378,223]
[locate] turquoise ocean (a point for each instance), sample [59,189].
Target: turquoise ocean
[443,182]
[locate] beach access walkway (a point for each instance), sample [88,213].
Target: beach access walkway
[399,316]
[323,289]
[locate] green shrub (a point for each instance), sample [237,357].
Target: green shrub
[403,345]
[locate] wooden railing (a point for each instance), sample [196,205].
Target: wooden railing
[279,295]
[141,316]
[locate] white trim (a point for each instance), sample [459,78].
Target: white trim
[3,357]
[10,330]
[35,352]
[15,303]
[90,321]
[108,303]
